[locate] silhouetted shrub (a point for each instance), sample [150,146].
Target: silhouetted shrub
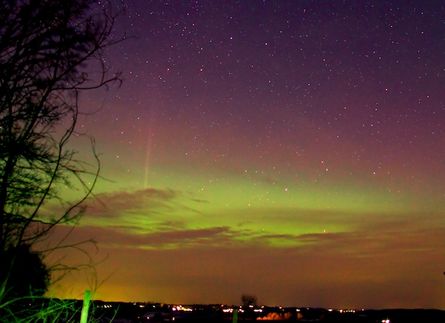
[23,273]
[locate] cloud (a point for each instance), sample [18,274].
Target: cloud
[377,240]
[386,256]
[140,210]
[115,203]
[111,207]
[204,266]
[114,237]
[215,236]
[365,236]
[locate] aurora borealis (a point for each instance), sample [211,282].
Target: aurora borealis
[294,150]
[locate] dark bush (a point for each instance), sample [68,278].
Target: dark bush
[23,273]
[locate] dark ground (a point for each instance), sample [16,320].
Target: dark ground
[214,314]
[116,312]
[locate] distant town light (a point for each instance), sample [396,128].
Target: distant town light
[182,308]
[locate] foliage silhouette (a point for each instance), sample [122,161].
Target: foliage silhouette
[24,272]
[47,48]
[249,300]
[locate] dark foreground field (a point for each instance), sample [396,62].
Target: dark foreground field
[117,312]
[216,314]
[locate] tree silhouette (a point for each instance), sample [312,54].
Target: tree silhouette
[45,47]
[25,273]
[248,300]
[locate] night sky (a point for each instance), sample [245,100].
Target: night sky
[293,150]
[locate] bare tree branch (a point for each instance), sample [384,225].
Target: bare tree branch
[48,50]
